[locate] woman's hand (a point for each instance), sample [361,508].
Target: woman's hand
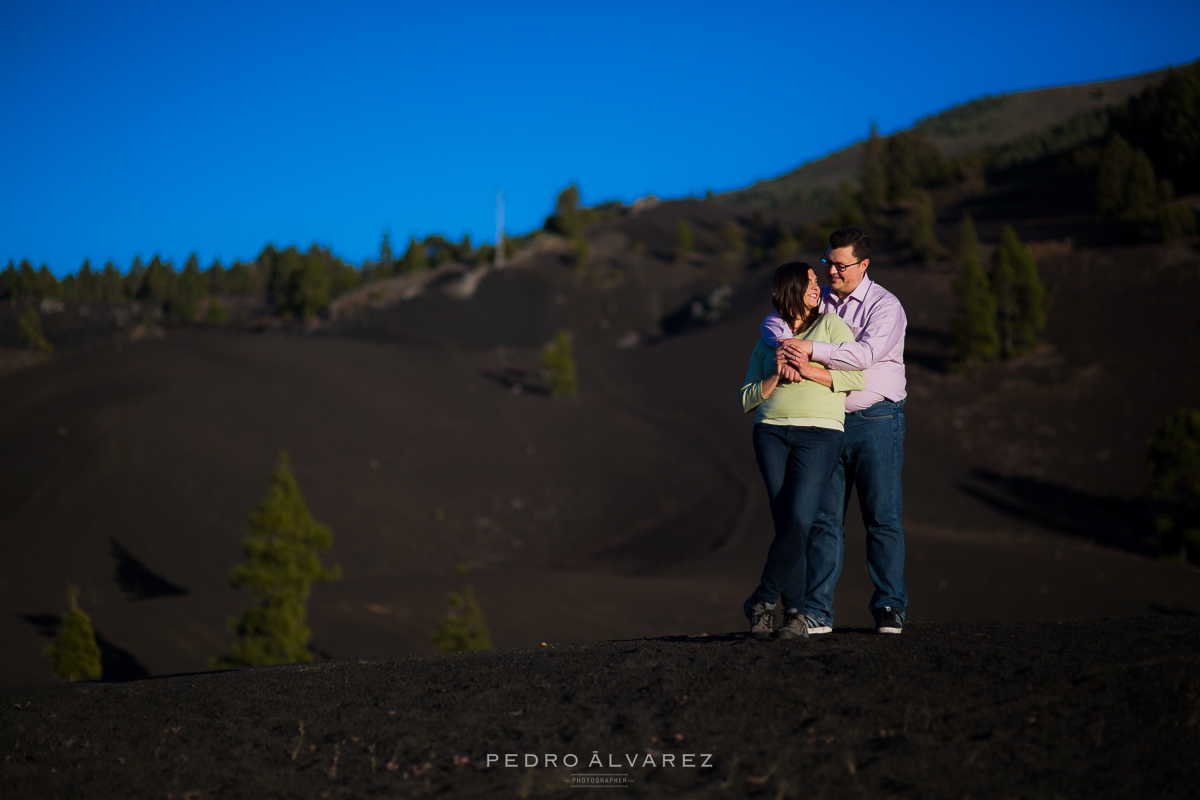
[783,368]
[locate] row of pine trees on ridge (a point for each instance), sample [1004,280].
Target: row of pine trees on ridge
[295,282]
[1139,154]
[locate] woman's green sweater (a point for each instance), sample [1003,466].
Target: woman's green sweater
[807,402]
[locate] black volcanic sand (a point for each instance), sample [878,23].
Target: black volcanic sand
[1020,709]
[632,510]
[423,436]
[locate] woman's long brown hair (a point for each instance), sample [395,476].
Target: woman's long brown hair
[787,295]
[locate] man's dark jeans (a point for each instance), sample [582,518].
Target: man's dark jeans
[872,460]
[796,463]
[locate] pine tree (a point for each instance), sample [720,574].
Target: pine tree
[48,285]
[685,239]
[463,626]
[973,337]
[9,286]
[282,562]
[215,314]
[1020,296]
[217,278]
[1173,461]
[307,288]
[874,174]
[188,291]
[1174,220]
[731,237]
[922,241]
[158,280]
[1002,282]
[1112,176]
[70,288]
[385,255]
[579,246]
[131,282]
[848,213]
[74,650]
[85,281]
[567,202]
[558,362]
[415,257]
[786,245]
[568,219]
[112,289]
[1141,190]
[29,331]
[27,280]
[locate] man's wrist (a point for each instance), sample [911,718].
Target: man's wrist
[819,351]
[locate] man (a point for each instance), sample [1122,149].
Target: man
[873,447]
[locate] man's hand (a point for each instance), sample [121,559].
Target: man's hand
[796,358]
[794,345]
[796,351]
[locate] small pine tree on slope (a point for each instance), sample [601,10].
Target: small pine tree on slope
[463,626]
[282,562]
[74,649]
[922,240]
[973,336]
[558,362]
[1173,461]
[29,328]
[685,239]
[1020,296]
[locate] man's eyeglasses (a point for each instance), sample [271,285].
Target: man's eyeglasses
[841,267]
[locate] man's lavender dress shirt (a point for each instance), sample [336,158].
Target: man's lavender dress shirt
[878,322]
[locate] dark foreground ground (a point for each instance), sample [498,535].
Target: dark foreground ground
[1020,709]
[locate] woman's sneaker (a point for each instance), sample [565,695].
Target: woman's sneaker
[762,619]
[816,628]
[795,626]
[889,620]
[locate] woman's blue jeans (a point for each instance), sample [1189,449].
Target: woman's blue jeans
[796,463]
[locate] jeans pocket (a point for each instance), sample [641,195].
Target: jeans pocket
[882,411]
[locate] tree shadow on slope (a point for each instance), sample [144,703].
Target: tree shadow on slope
[138,581]
[118,664]
[702,310]
[661,543]
[1108,520]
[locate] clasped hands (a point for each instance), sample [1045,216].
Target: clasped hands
[791,357]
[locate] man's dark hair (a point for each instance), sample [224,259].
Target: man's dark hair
[851,237]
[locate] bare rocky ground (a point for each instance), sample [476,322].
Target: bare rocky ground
[1065,709]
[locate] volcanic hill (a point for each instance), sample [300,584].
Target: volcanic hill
[421,431]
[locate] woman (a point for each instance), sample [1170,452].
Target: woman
[797,442]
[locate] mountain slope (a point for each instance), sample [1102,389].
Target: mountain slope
[962,129]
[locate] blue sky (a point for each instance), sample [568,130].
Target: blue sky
[136,128]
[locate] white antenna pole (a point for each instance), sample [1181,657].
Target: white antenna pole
[500,229]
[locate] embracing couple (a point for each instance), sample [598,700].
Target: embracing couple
[827,380]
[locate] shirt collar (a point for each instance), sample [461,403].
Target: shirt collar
[859,293]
